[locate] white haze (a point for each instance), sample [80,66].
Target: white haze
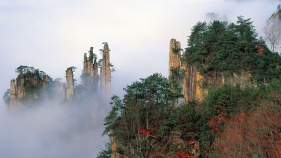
[53,35]
[50,130]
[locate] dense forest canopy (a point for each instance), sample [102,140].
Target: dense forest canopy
[231,121]
[140,121]
[221,47]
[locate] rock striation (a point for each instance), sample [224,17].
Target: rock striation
[186,76]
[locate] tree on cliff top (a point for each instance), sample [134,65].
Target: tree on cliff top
[221,47]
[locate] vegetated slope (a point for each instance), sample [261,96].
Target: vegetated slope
[221,48]
[230,121]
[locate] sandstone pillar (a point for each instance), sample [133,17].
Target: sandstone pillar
[69,83]
[20,86]
[174,55]
[13,95]
[89,80]
[105,71]
[96,75]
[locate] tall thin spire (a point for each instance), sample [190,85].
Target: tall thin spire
[90,72]
[69,83]
[174,55]
[105,70]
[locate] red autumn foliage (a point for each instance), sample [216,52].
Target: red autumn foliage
[247,134]
[260,50]
[143,132]
[183,154]
[217,120]
[192,141]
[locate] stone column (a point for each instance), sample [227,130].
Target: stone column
[13,95]
[96,75]
[174,54]
[105,71]
[69,83]
[20,86]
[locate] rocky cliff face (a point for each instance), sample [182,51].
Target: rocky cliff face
[188,77]
[194,85]
[114,147]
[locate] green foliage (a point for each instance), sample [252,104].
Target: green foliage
[258,156]
[24,69]
[146,117]
[29,88]
[176,50]
[177,72]
[185,120]
[225,102]
[140,120]
[99,63]
[72,68]
[111,118]
[229,100]
[205,136]
[111,67]
[31,81]
[128,116]
[105,153]
[92,56]
[271,92]
[221,47]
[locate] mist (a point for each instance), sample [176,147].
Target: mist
[54,130]
[53,35]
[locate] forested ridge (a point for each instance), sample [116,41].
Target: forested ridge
[227,48]
[231,121]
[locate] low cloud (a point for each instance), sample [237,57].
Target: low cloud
[52,130]
[53,36]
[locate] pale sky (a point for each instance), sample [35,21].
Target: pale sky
[54,34]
